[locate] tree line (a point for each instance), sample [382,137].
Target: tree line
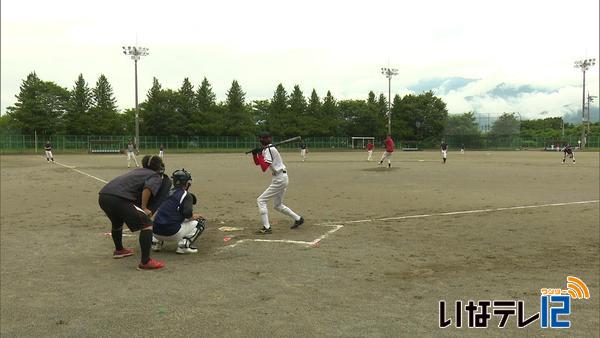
[50,109]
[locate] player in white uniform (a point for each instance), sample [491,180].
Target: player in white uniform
[268,157]
[303,150]
[48,149]
[444,148]
[161,151]
[131,154]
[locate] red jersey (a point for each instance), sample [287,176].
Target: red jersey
[370,146]
[389,145]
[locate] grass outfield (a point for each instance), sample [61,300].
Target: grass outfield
[379,249]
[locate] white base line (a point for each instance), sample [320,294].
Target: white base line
[79,171]
[336,227]
[463,212]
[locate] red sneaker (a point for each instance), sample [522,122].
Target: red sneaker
[122,253]
[151,265]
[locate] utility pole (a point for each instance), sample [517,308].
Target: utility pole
[389,73]
[584,65]
[136,54]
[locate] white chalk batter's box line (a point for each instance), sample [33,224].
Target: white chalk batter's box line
[340,224]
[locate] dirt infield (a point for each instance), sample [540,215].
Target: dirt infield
[358,267]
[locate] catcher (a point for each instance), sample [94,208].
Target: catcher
[175,219]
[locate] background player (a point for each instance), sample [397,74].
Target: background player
[161,151]
[462,148]
[48,150]
[444,148]
[268,157]
[126,199]
[303,150]
[389,149]
[175,219]
[567,150]
[370,147]
[131,154]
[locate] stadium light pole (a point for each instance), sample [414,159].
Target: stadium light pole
[136,53]
[389,73]
[584,65]
[590,99]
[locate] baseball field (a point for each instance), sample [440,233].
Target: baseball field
[380,247]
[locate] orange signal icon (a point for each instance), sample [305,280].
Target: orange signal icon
[577,288]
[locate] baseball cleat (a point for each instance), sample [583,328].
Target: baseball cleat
[186,250]
[298,223]
[125,252]
[157,246]
[264,231]
[151,265]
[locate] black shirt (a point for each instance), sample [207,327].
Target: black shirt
[48,146]
[444,146]
[130,185]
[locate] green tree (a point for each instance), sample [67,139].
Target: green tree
[278,111]
[160,113]
[126,121]
[463,124]
[40,106]
[205,96]
[296,117]
[353,118]
[506,124]
[313,115]
[260,112]
[104,108]
[329,115]
[77,117]
[187,104]
[420,117]
[237,120]
[208,119]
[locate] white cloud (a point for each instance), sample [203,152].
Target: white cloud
[336,45]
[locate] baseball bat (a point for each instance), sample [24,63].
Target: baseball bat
[297,138]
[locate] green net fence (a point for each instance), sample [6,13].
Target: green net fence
[74,143]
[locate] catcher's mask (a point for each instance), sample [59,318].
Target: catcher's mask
[181,178]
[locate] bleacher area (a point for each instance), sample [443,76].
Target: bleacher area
[104,147]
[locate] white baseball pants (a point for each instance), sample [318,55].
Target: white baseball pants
[276,192]
[386,155]
[130,156]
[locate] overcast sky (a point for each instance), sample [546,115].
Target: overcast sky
[488,56]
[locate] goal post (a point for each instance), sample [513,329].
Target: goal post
[360,142]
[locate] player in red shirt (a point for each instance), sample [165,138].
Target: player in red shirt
[370,147]
[389,149]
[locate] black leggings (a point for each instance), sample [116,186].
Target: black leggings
[120,210]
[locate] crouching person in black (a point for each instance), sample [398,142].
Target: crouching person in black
[175,219]
[128,199]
